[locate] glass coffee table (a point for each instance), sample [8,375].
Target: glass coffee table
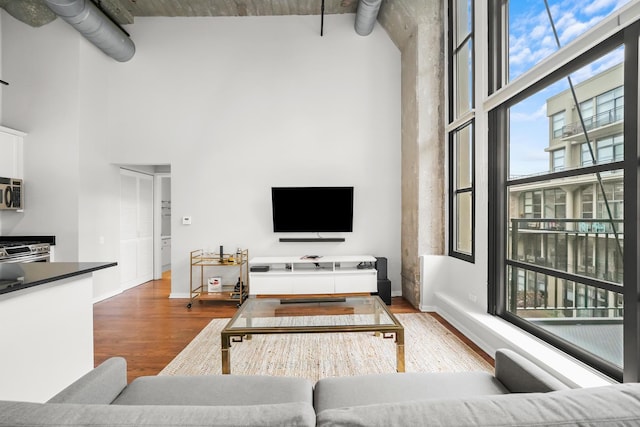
[312,315]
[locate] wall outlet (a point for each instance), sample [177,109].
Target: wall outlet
[186,220]
[473,297]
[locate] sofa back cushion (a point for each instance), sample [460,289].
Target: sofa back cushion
[99,386]
[615,405]
[216,390]
[73,415]
[340,392]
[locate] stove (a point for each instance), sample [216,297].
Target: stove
[24,251]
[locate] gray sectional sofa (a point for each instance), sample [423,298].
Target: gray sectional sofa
[519,394]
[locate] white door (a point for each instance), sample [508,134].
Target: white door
[136,228]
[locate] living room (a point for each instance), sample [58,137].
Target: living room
[237,105]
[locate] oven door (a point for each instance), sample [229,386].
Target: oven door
[28,258]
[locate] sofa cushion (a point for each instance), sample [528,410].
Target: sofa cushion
[54,414]
[615,405]
[216,390]
[99,386]
[341,392]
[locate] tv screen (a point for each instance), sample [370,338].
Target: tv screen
[313,209]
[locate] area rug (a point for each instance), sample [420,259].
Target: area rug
[429,347]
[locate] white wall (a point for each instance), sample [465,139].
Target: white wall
[234,105]
[1,86]
[42,100]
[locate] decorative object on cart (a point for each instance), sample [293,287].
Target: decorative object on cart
[214,284]
[11,195]
[25,251]
[209,265]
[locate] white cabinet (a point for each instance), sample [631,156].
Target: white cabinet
[324,275]
[11,147]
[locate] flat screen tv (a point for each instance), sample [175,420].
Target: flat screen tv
[312,209]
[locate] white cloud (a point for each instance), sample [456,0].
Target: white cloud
[530,34]
[598,5]
[539,31]
[521,116]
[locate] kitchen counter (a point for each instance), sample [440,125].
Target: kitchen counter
[18,276]
[46,313]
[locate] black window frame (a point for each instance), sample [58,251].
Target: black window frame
[498,194]
[454,192]
[454,46]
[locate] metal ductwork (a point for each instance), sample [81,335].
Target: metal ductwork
[95,26]
[366,16]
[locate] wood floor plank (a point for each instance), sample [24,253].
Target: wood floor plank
[149,329]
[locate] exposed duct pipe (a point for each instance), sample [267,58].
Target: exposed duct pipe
[95,26]
[366,16]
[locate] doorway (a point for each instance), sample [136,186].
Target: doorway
[162,229]
[136,228]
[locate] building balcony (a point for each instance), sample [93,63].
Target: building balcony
[591,123]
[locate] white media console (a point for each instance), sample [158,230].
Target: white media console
[322,275]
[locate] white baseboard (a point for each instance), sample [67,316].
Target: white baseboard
[107,296]
[428,309]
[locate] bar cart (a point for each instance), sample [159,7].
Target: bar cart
[218,276]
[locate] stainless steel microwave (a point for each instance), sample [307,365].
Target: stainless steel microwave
[11,194]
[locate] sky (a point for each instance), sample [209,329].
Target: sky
[531,39]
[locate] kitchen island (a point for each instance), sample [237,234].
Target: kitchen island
[46,313]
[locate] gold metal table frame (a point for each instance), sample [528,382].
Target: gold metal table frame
[306,315]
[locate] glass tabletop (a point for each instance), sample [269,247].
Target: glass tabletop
[338,313]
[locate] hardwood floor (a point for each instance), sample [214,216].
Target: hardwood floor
[148,329]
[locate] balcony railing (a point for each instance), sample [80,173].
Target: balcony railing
[581,225]
[593,122]
[543,249]
[565,276]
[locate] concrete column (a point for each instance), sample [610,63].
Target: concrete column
[417,28]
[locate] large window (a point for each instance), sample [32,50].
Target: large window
[607,149]
[557,124]
[559,263]
[558,160]
[610,107]
[460,131]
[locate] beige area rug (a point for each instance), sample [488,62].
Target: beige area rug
[429,347]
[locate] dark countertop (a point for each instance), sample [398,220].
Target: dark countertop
[18,276]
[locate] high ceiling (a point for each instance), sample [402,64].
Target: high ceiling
[36,13]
